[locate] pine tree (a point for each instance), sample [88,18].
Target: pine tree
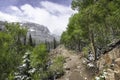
[24,40]
[54,43]
[47,46]
[30,42]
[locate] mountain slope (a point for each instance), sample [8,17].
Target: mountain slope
[76,65]
[38,32]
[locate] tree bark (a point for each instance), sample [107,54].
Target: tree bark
[93,45]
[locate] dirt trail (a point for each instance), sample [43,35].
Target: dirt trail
[74,68]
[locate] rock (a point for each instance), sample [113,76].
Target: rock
[117,76]
[68,59]
[97,78]
[110,75]
[113,74]
[91,57]
[38,32]
[116,69]
[66,67]
[86,78]
[117,61]
[85,61]
[78,67]
[90,65]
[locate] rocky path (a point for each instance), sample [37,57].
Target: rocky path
[74,68]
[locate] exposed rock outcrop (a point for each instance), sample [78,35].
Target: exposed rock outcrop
[38,32]
[110,61]
[109,58]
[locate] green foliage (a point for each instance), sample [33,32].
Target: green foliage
[13,45]
[11,76]
[86,50]
[39,56]
[97,23]
[40,76]
[44,68]
[17,34]
[57,65]
[30,41]
[15,30]
[10,48]
[39,59]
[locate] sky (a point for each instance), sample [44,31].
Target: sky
[53,14]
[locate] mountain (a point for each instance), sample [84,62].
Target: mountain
[2,25]
[38,32]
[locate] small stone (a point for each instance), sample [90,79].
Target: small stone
[117,61]
[78,67]
[85,78]
[67,79]
[66,67]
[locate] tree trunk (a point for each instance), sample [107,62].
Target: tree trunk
[79,45]
[93,45]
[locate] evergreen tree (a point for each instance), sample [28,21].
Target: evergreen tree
[39,59]
[30,42]
[47,46]
[54,43]
[24,40]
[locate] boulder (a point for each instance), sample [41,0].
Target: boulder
[110,75]
[117,61]
[117,76]
[66,67]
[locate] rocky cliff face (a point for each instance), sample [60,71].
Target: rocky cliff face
[2,25]
[38,32]
[110,64]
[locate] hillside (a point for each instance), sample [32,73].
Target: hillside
[76,67]
[60,40]
[39,33]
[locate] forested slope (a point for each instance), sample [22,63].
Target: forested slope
[96,24]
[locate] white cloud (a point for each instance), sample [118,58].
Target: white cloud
[14,8]
[55,8]
[52,15]
[7,17]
